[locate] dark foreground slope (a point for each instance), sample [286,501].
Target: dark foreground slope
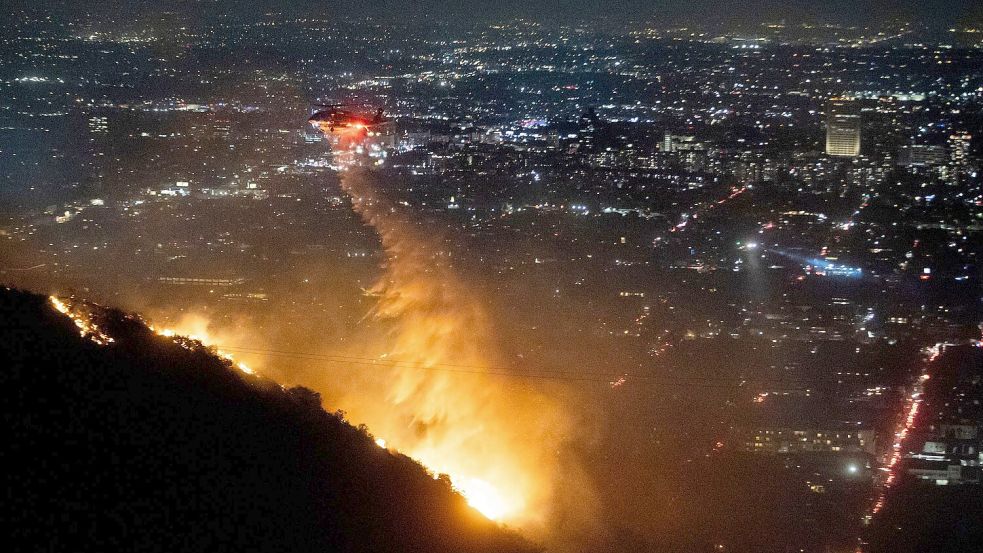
[142,445]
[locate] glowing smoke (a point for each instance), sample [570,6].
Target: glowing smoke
[498,442]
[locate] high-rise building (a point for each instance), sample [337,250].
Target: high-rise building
[959,148]
[921,155]
[587,130]
[98,125]
[842,127]
[679,143]
[959,144]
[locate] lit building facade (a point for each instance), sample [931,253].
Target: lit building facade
[842,128]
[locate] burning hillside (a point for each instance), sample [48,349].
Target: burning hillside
[126,439]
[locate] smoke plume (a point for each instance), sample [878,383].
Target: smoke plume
[499,440]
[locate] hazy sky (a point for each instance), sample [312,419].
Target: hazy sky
[839,10]
[934,12]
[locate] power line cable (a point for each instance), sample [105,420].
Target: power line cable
[547,374]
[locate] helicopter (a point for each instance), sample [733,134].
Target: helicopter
[345,120]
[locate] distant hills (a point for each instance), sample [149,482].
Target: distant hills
[143,445]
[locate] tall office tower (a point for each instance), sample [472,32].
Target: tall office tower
[98,125]
[842,127]
[679,143]
[958,156]
[587,130]
[921,155]
[959,148]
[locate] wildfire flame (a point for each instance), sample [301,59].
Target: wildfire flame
[484,497]
[87,328]
[205,339]
[497,445]
[481,495]
[90,329]
[496,487]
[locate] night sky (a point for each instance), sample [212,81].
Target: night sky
[930,12]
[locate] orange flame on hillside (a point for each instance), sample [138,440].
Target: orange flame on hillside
[87,328]
[91,330]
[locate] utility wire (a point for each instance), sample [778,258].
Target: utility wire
[546,374]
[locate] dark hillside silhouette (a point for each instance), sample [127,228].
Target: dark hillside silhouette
[142,445]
